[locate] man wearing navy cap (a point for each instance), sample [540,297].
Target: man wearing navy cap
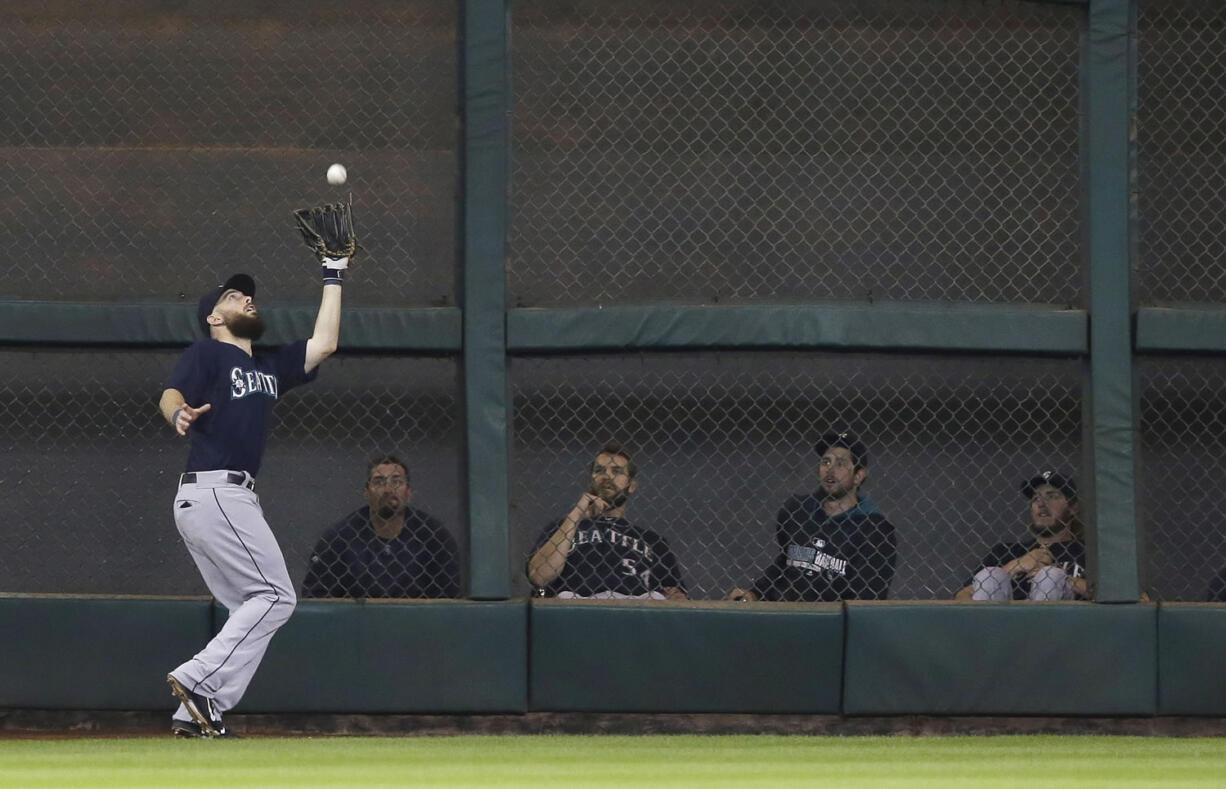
[834,543]
[221,395]
[1051,565]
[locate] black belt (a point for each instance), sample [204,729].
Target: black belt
[232,477]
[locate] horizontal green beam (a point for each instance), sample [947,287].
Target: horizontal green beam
[431,329]
[1201,329]
[961,327]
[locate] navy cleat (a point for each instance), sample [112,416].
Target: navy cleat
[203,711]
[190,730]
[185,729]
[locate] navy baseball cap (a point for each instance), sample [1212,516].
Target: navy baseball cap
[243,283]
[1060,482]
[829,441]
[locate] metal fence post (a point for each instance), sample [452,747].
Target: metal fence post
[485,154]
[1109,80]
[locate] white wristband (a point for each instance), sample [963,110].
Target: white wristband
[336,263]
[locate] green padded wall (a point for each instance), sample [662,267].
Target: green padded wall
[71,652]
[1000,659]
[607,656]
[348,656]
[75,652]
[1191,643]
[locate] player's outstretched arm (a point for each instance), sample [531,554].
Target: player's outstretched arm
[328,232]
[177,412]
[327,334]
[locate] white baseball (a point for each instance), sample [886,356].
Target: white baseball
[337,174]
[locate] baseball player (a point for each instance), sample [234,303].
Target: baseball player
[834,544]
[221,397]
[1049,566]
[595,552]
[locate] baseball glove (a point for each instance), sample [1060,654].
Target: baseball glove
[328,229]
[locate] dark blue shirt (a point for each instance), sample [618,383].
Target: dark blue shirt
[242,390]
[350,560]
[610,555]
[849,556]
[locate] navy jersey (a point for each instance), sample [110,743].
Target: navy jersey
[849,556]
[242,390]
[610,555]
[1070,556]
[350,560]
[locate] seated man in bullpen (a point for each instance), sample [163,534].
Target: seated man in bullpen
[594,551]
[387,548]
[1050,564]
[834,543]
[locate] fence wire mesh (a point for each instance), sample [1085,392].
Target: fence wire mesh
[735,150]
[1183,460]
[91,468]
[722,440]
[747,151]
[1181,119]
[155,143]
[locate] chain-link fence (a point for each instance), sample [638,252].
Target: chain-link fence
[748,151]
[1181,120]
[1183,461]
[91,468]
[730,151]
[722,440]
[156,150]
[149,148]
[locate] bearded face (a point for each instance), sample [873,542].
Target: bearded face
[387,490]
[246,326]
[1051,512]
[838,476]
[611,479]
[387,502]
[611,493]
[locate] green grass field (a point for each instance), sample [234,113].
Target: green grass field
[649,761]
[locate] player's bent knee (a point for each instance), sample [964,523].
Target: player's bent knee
[286,603]
[1050,583]
[281,604]
[992,583]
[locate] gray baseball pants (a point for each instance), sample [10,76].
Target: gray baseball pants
[1049,583]
[224,529]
